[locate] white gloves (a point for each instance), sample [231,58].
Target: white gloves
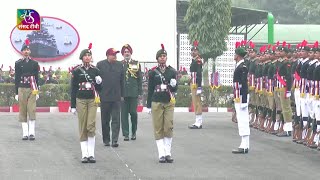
[288,94]
[37,96]
[98,80]
[199,90]
[16,97]
[243,105]
[74,111]
[173,83]
[149,110]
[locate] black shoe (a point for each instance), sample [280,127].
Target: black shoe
[240,151]
[169,159]
[106,144]
[133,137]
[31,137]
[162,159]
[115,144]
[91,159]
[25,138]
[193,126]
[84,160]
[126,138]
[284,134]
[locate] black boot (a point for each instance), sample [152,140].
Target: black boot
[169,159]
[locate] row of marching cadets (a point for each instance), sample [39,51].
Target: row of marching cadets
[284,90]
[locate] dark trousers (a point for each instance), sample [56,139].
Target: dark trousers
[129,106]
[110,111]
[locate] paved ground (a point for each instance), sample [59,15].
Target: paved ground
[199,154]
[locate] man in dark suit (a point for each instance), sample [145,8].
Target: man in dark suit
[111,95]
[241,98]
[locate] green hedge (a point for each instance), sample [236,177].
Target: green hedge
[49,94]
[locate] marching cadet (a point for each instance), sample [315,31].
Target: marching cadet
[162,85]
[85,84]
[132,90]
[283,75]
[196,85]
[240,84]
[304,90]
[26,88]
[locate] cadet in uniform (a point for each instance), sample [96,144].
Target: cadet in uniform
[26,87]
[304,90]
[270,91]
[196,85]
[316,77]
[162,85]
[251,80]
[132,90]
[85,84]
[312,64]
[296,91]
[284,80]
[240,84]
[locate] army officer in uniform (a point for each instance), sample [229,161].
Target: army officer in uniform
[132,90]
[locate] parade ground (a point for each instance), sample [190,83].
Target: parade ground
[198,154]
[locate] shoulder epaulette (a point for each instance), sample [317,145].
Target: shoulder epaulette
[19,60]
[76,67]
[154,68]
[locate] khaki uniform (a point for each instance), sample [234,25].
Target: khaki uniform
[26,87]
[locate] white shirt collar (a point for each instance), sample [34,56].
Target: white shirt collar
[238,63]
[313,61]
[304,60]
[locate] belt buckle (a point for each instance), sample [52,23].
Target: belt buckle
[88,85]
[163,87]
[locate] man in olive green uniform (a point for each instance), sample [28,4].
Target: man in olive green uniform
[85,84]
[196,85]
[284,79]
[162,85]
[132,89]
[26,86]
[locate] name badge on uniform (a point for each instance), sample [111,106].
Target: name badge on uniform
[88,85]
[134,66]
[163,87]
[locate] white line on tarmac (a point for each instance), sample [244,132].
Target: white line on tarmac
[126,164]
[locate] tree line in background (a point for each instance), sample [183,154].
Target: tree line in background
[286,11]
